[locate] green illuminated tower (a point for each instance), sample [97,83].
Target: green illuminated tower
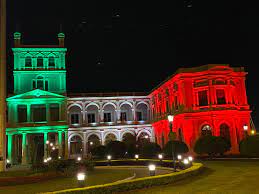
[39,67]
[37,111]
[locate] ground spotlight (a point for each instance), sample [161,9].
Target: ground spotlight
[136,156]
[179,157]
[152,169]
[81,179]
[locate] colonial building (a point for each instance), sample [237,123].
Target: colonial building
[42,116]
[207,99]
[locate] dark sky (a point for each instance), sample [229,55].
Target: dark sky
[127,46]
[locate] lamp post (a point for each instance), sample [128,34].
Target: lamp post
[245,127]
[171,136]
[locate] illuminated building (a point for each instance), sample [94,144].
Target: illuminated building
[209,99]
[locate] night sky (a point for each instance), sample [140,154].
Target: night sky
[115,46]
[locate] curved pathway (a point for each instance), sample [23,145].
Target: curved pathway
[218,177]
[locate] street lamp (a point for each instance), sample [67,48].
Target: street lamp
[152,169]
[245,127]
[171,136]
[252,132]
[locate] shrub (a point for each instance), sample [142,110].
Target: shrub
[39,167]
[211,145]
[98,152]
[116,148]
[178,147]
[250,146]
[149,149]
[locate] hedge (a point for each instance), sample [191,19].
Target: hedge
[138,183]
[34,178]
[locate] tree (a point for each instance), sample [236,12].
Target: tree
[99,151]
[250,146]
[178,146]
[211,145]
[116,148]
[149,149]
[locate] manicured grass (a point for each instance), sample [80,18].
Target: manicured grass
[98,176]
[16,173]
[218,177]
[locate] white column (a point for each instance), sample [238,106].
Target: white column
[85,149]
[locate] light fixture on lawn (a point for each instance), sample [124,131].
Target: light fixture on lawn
[160,157]
[179,157]
[190,158]
[186,161]
[81,179]
[79,158]
[152,169]
[136,156]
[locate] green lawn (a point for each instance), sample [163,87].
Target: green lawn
[240,177]
[100,175]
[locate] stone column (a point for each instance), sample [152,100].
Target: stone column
[28,113]
[24,148]
[60,147]
[85,147]
[66,145]
[45,145]
[9,147]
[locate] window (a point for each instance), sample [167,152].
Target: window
[51,61]
[40,61]
[176,103]
[40,83]
[38,113]
[74,118]
[203,98]
[139,116]
[22,113]
[91,118]
[28,61]
[220,93]
[123,116]
[167,106]
[54,112]
[107,117]
[206,130]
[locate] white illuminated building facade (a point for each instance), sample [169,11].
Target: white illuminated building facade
[98,120]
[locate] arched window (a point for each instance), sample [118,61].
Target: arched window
[143,138]
[51,62]
[93,141]
[206,130]
[28,61]
[40,83]
[40,61]
[224,132]
[76,145]
[110,137]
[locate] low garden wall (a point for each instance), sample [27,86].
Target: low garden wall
[138,183]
